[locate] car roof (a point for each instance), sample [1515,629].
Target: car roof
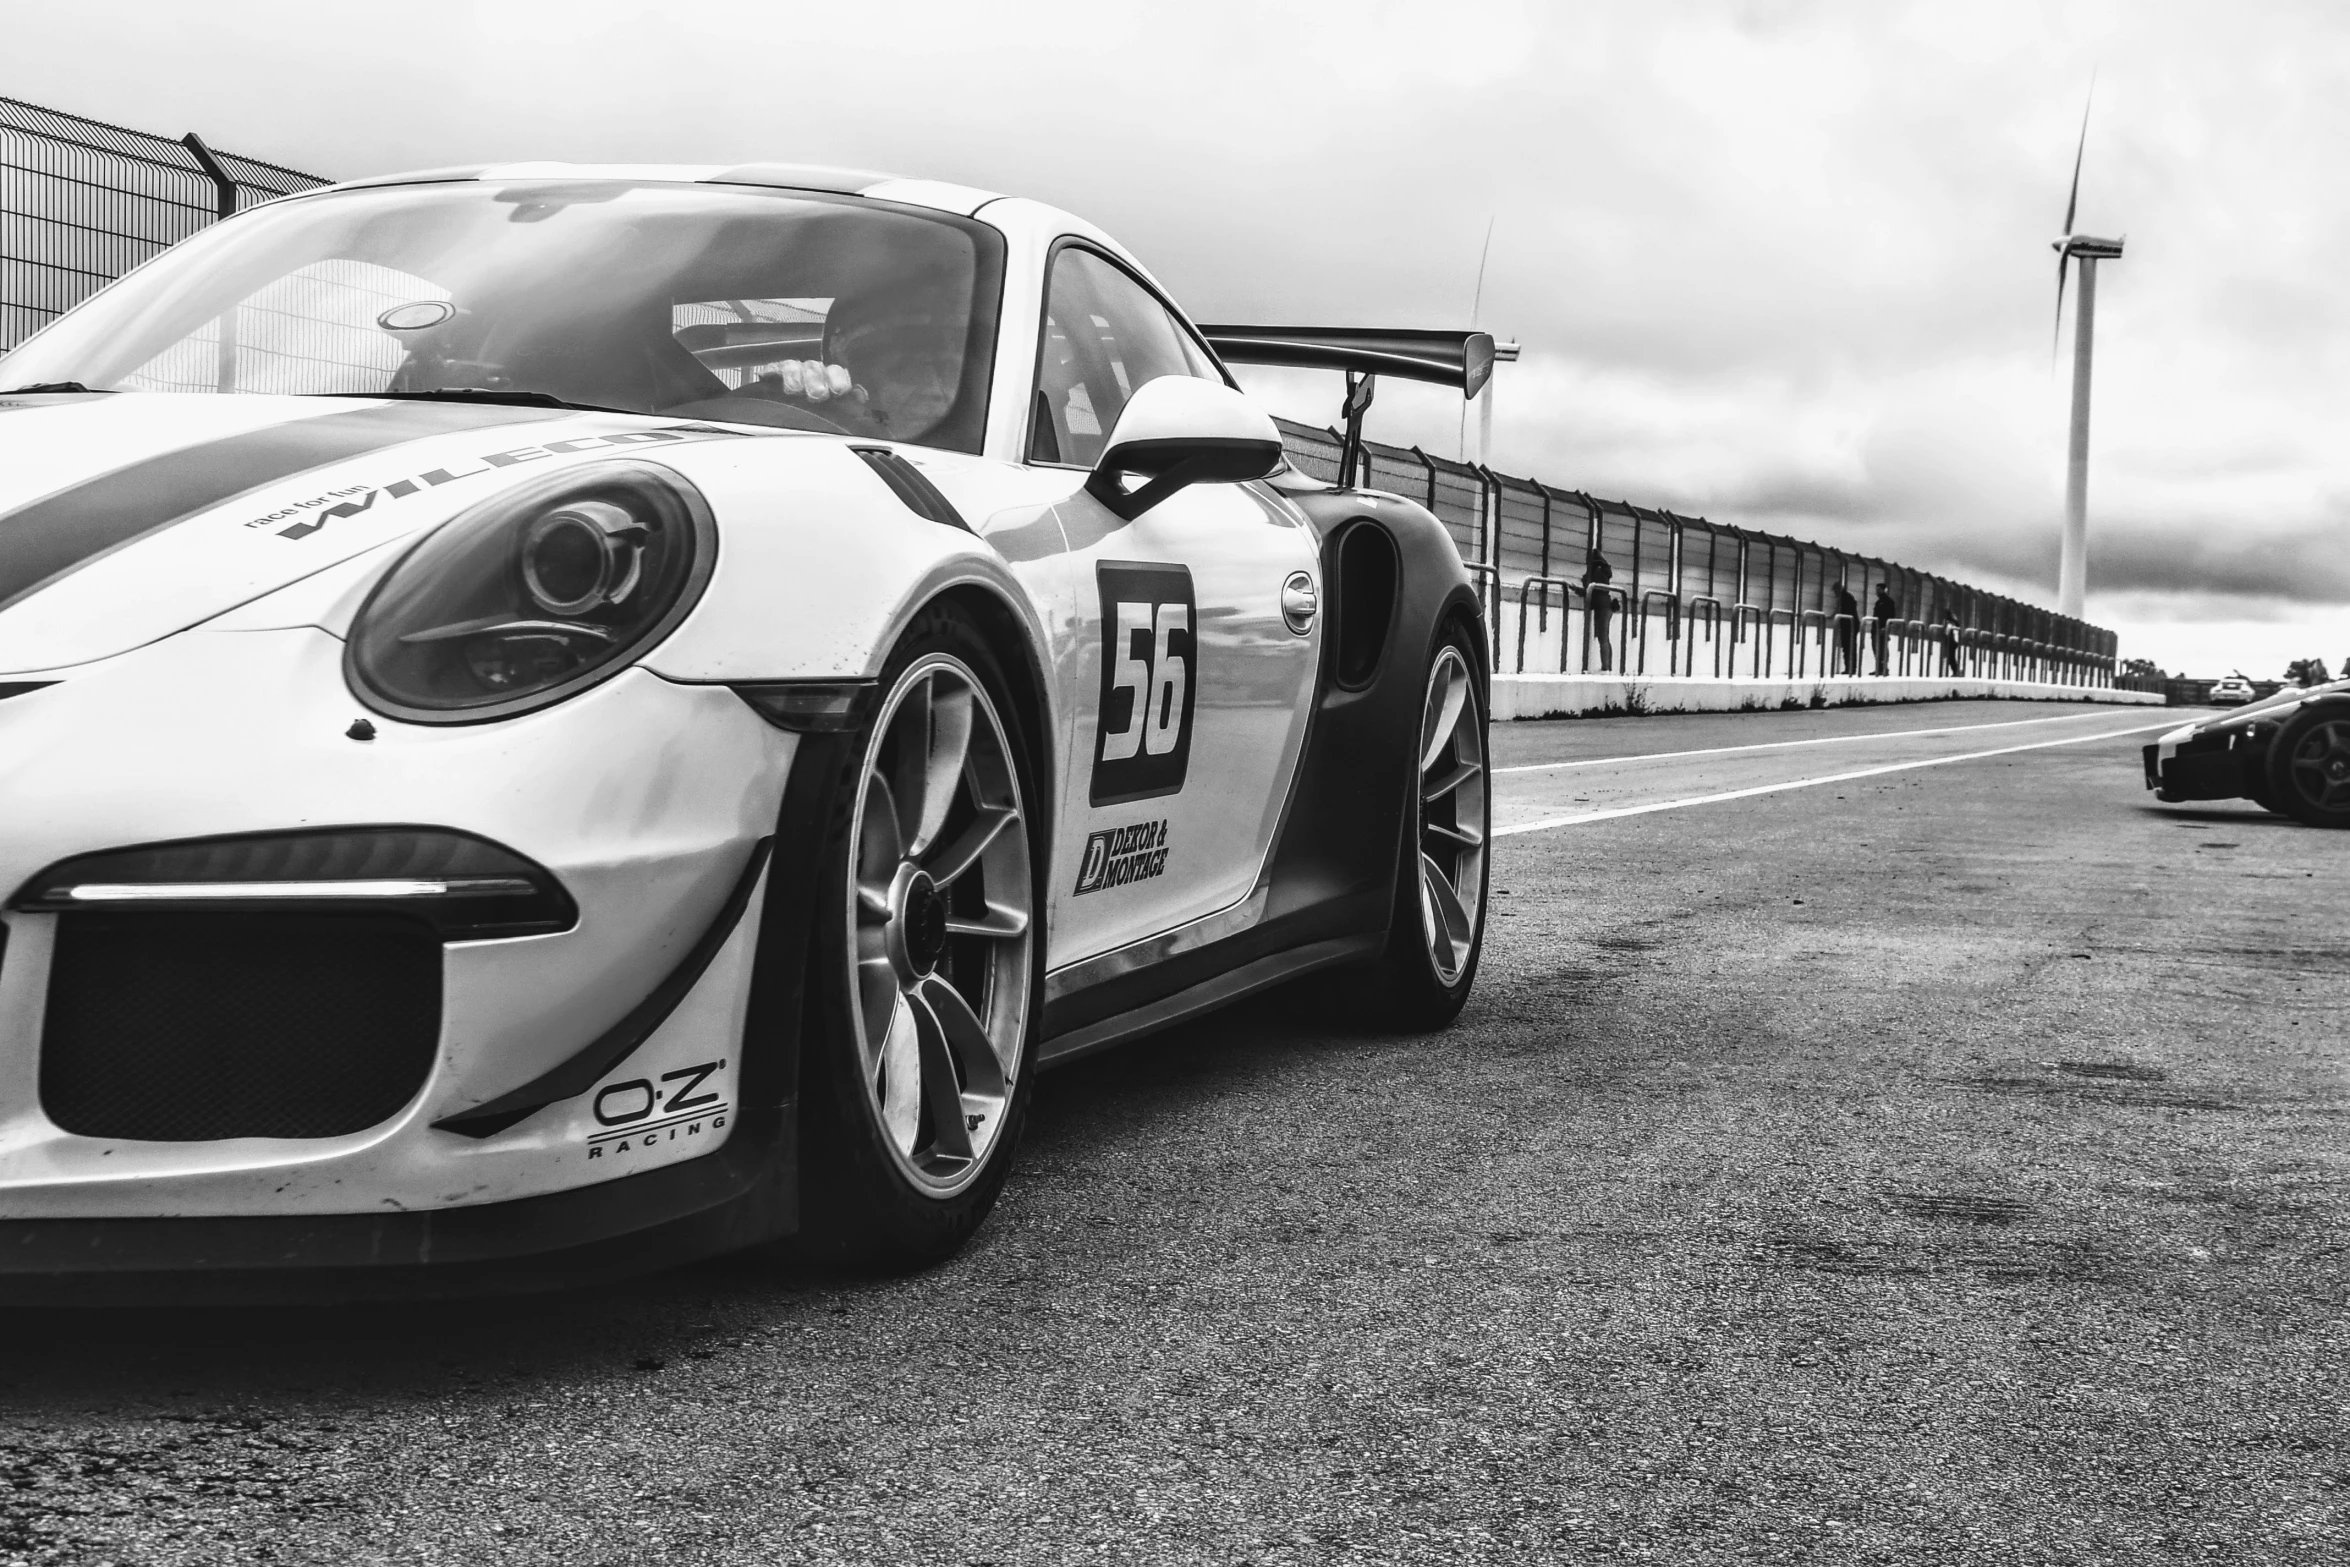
[940,195]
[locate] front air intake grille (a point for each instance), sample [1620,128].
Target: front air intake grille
[194,1027]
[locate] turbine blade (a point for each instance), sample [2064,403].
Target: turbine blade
[2072,202]
[2064,259]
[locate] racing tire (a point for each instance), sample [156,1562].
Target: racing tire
[1437,933]
[2309,766]
[925,980]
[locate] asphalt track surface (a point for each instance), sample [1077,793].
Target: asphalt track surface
[1942,1164]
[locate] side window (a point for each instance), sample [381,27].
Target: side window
[1104,335]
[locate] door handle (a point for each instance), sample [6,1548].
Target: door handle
[1300,603]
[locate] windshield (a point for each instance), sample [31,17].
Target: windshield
[781,308]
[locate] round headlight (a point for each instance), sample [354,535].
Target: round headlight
[532,596]
[581,557]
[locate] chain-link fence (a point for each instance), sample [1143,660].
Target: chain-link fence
[82,202]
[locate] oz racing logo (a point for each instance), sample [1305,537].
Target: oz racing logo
[640,1114]
[1150,667]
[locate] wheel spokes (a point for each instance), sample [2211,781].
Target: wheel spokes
[878,837]
[986,1065]
[1452,918]
[1460,774]
[909,768]
[1466,837]
[942,1095]
[877,995]
[999,923]
[899,1074]
[946,741]
[1443,714]
[950,860]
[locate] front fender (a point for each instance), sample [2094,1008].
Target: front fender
[820,568]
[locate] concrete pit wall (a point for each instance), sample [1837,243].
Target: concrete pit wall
[1766,669]
[1598,696]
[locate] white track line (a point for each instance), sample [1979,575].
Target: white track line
[1775,745]
[1612,814]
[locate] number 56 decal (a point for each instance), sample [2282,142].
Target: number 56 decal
[1149,670]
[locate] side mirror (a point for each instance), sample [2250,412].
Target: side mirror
[1179,430]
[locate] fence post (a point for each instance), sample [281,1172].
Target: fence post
[1428,500]
[224,189]
[1543,490]
[1489,483]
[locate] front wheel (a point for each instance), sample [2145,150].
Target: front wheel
[1437,932]
[2309,767]
[923,1006]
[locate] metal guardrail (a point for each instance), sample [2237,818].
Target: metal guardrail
[1542,586]
[1712,608]
[1767,588]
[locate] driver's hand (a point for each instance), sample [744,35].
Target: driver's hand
[816,381]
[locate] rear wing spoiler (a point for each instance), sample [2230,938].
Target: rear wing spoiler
[1457,359]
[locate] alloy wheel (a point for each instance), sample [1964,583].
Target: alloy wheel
[1452,815]
[2319,765]
[942,920]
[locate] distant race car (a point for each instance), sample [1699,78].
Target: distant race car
[2231,690]
[2289,753]
[662,700]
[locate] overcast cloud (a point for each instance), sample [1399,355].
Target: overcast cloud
[1778,264]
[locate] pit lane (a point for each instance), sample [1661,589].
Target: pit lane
[1941,1164]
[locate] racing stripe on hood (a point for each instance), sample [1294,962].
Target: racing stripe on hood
[50,537]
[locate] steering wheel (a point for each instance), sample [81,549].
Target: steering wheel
[738,409]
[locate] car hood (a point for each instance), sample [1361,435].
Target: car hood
[126,517]
[2253,713]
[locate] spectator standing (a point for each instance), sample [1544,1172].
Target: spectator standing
[1599,608]
[1946,630]
[1883,614]
[1847,631]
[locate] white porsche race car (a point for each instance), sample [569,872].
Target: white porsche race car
[656,703]
[2232,691]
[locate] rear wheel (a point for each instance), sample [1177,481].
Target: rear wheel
[924,986]
[1438,930]
[2309,767]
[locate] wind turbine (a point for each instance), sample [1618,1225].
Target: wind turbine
[2072,572]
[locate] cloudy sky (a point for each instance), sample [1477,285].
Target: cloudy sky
[1782,264]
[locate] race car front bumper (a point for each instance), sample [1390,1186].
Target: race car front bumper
[2204,767]
[526,1153]
[741,1195]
